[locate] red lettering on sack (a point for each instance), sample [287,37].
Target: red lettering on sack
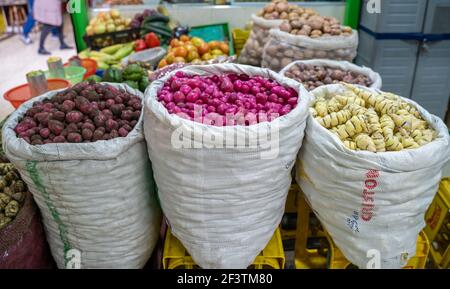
[371,184]
[368,197]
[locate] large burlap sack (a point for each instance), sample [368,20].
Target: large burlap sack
[282,48]
[372,204]
[97,198]
[374,77]
[253,48]
[22,242]
[223,202]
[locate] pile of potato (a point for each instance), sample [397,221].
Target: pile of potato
[313,76]
[281,9]
[308,23]
[373,122]
[12,193]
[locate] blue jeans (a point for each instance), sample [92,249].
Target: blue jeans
[29,24]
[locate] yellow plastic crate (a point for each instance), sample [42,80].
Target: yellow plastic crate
[438,226]
[307,258]
[337,260]
[175,255]
[438,211]
[240,36]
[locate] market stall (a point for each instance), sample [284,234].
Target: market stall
[220,142]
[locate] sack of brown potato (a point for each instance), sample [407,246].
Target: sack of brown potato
[282,47]
[253,48]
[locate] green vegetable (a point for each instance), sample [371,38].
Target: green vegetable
[133,84]
[133,72]
[156,17]
[95,78]
[111,49]
[112,75]
[124,51]
[143,83]
[102,65]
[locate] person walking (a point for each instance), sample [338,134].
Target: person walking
[29,24]
[49,13]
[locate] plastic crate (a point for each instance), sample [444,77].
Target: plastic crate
[175,255]
[397,16]
[98,41]
[395,60]
[337,260]
[240,36]
[438,225]
[431,87]
[218,31]
[308,227]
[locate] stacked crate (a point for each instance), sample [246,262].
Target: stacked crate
[408,43]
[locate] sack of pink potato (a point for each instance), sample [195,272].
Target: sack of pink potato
[223,139]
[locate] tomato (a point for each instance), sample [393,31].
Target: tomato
[139,45]
[152,40]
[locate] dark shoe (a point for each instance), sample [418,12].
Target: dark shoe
[43,51]
[65,46]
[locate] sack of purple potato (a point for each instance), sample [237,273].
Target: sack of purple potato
[317,72]
[82,153]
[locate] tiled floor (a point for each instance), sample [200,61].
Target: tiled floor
[16,59]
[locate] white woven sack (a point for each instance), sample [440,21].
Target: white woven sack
[253,49]
[372,204]
[223,204]
[96,198]
[343,65]
[282,48]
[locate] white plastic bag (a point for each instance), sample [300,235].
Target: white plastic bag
[96,198]
[372,204]
[253,48]
[282,48]
[374,77]
[223,203]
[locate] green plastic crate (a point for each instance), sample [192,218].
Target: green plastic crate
[219,32]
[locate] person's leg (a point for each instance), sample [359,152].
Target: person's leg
[44,33]
[29,24]
[63,45]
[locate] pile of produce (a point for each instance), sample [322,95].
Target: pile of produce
[108,56]
[312,76]
[12,193]
[193,50]
[281,9]
[375,122]
[228,99]
[83,113]
[139,17]
[107,22]
[134,74]
[158,24]
[150,40]
[124,2]
[307,22]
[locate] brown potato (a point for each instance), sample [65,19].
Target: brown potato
[285,26]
